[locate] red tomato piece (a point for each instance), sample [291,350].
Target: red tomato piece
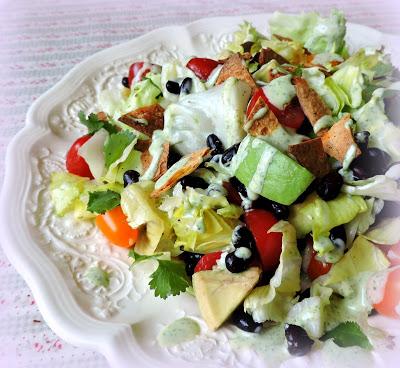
[207,262]
[291,116]
[134,71]
[391,297]
[114,225]
[75,163]
[269,245]
[316,268]
[202,67]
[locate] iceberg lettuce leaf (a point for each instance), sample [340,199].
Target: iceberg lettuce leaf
[386,232]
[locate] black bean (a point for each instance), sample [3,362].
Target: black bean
[242,237]
[186,85]
[245,321]
[371,162]
[299,343]
[229,153]
[215,144]
[362,139]
[130,177]
[338,236]
[280,211]
[173,157]
[329,186]
[302,197]
[125,82]
[304,294]
[173,87]
[303,242]
[191,260]
[247,46]
[193,182]
[239,186]
[236,264]
[306,128]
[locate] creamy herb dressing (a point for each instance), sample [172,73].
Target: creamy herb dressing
[281,138]
[280,91]
[324,122]
[155,150]
[349,156]
[258,115]
[243,253]
[181,330]
[257,181]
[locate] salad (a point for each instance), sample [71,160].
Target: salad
[264,182]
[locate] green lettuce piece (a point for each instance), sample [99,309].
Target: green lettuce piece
[201,223]
[115,173]
[263,74]
[351,81]
[386,232]
[273,301]
[371,117]
[65,191]
[292,51]
[142,212]
[316,33]
[245,33]
[318,216]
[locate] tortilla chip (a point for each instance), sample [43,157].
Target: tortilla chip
[194,160]
[146,159]
[142,145]
[311,155]
[266,55]
[264,126]
[234,67]
[338,139]
[153,115]
[311,103]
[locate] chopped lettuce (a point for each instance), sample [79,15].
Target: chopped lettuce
[351,81]
[319,216]
[93,153]
[141,210]
[273,301]
[387,232]
[220,110]
[316,33]
[245,33]
[201,223]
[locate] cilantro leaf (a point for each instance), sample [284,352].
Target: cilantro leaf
[93,123]
[98,277]
[115,146]
[348,334]
[102,201]
[169,279]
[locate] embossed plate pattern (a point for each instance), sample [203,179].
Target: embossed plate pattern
[52,254]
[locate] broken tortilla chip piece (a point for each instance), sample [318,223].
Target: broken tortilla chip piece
[185,166]
[311,155]
[264,125]
[234,67]
[266,55]
[142,145]
[339,138]
[311,103]
[145,119]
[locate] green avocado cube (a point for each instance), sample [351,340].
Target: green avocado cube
[270,173]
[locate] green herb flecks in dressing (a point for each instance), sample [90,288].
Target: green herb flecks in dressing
[171,171]
[257,182]
[155,150]
[182,330]
[258,115]
[349,156]
[280,91]
[282,138]
[270,343]
[325,122]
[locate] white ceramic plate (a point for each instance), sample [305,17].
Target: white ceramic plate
[52,254]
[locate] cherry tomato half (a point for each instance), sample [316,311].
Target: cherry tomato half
[391,296]
[316,268]
[291,116]
[269,245]
[114,225]
[207,262]
[134,71]
[74,162]
[202,67]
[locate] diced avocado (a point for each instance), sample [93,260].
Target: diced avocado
[220,292]
[266,171]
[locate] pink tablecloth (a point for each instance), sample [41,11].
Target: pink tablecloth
[40,40]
